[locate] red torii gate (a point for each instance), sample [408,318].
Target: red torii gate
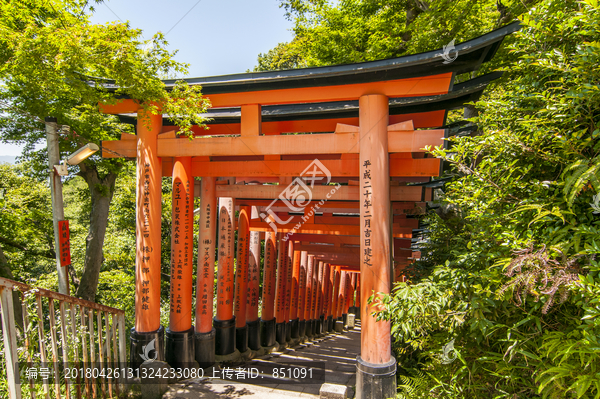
[362,129]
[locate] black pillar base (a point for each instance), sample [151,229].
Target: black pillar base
[224,336]
[309,328]
[241,338]
[254,334]
[345,318]
[357,314]
[314,327]
[375,381]
[267,333]
[322,327]
[145,346]
[179,351]
[280,333]
[354,310]
[295,328]
[288,331]
[329,323]
[204,346]
[301,328]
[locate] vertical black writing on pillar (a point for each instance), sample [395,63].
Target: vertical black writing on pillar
[253,271]
[146,249]
[177,260]
[281,276]
[206,244]
[301,286]
[223,251]
[288,279]
[224,293]
[229,262]
[267,279]
[367,192]
[241,277]
[187,234]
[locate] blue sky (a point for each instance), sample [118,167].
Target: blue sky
[216,37]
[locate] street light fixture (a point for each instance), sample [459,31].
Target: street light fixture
[76,158]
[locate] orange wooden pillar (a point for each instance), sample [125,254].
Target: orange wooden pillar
[309,295]
[288,290]
[180,334]
[241,278]
[350,309]
[253,288]
[148,236]
[294,319]
[268,291]
[322,289]
[325,302]
[376,367]
[346,303]
[342,297]
[302,293]
[281,290]
[315,289]
[205,275]
[224,321]
[315,305]
[357,303]
[349,292]
[336,299]
[330,283]
[354,286]
[318,316]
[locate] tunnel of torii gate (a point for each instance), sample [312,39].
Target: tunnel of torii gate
[333,204]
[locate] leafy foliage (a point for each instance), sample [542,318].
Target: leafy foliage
[26,231]
[283,56]
[349,31]
[510,269]
[55,62]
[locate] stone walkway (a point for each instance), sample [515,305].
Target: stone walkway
[335,353]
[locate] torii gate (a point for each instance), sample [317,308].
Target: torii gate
[362,129]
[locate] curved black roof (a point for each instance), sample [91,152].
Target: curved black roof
[471,54]
[461,93]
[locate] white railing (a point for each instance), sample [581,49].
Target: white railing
[38,364]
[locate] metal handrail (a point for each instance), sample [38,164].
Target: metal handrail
[78,337]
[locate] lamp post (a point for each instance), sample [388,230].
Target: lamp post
[56,170]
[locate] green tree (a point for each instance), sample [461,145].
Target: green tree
[55,62]
[26,230]
[350,31]
[510,272]
[283,56]
[26,236]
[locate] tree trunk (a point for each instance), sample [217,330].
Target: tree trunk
[7,273]
[101,192]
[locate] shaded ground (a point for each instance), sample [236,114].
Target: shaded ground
[336,353]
